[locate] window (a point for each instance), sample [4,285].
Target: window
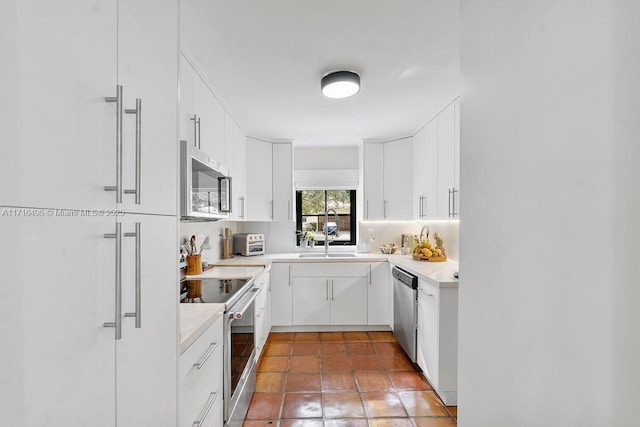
[341,226]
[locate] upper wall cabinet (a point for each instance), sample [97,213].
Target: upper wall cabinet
[269,181]
[425,172]
[398,179]
[373,180]
[202,117]
[282,182]
[259,185]
[448,155]
[388,180]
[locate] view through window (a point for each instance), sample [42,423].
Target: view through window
[311,208]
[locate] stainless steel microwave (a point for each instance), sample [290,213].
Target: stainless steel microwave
[205,187]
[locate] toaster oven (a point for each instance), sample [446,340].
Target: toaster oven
[248,244]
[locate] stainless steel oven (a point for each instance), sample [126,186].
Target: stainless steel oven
[240,369]
[239,337]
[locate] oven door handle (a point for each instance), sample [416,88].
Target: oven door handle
[237,315]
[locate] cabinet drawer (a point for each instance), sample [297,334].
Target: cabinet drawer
[333,269]
[200,373]
[207,408]
[428,293]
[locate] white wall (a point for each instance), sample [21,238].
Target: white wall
[549,156]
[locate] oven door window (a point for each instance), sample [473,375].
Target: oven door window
[242,345]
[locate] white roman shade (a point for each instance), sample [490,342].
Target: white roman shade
[326,168]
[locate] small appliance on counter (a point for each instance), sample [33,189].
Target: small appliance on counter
[248,244]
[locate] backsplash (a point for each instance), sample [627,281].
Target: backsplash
[213,229]
[391,232]
[280,236]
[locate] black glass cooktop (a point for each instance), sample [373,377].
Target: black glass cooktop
[211,290]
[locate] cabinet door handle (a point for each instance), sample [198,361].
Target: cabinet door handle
[426,209]
[369,274]
[118,321]
[200,364]
[118,187]
[138,283]
[331,290]
[241,199]
[199,136]
[384,209]
[207,408]
[449,203]
[271,209]
[453,202]
[195,121]
[289,274]
[367,209]
[327,289]
[138,112]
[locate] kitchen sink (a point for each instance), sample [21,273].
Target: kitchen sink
[327,255]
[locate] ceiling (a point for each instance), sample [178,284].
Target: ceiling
[265,60]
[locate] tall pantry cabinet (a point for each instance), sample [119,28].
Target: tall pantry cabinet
[88,302]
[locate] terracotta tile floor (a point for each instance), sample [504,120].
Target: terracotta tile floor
[336,379]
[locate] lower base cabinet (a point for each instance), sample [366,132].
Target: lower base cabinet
[438,338]
[201,369]
[262,310]
[281,294]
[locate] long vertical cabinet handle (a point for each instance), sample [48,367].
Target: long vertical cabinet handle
[449,203]
[271,209]
[241,207]
[194,119]
[384,209]
[137,314]
[367,209]
[199,137]
[332,290]
[138,112]
[289,274]
[369,274]
[118,321]
[453,202]
[327,289]
[118,187]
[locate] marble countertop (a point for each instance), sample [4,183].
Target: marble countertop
[195,319]
[437,273]
[228,272]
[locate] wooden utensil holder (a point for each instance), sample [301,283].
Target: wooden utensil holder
[194,265]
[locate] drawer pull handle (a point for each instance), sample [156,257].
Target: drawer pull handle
[207,408]
[206,357]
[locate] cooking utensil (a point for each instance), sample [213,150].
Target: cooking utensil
[192,243]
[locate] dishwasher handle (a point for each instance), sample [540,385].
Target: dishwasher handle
[405,278]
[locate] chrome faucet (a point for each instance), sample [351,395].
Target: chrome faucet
[326,228]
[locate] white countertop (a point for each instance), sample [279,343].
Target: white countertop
[228,272]
[437,273]
[195,319]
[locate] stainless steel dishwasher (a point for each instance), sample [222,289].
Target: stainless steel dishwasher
[405,310]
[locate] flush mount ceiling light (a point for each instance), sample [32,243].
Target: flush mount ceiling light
[340,84]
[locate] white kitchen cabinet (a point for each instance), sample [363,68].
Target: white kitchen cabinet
[262,311]
[456,160]
[146,354]
[239,177]
[281,295]
[259,182]
[380,295]
[56,352]
[425,172]
[437,353]
[282,182]
[446,162]
[388,180]
[373,181]
[398,179]
[311,303]
[211,120]
[67,366]
[329,294]
[58,134]
[201,368]
[348,300]
[186,123]
[148,72]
